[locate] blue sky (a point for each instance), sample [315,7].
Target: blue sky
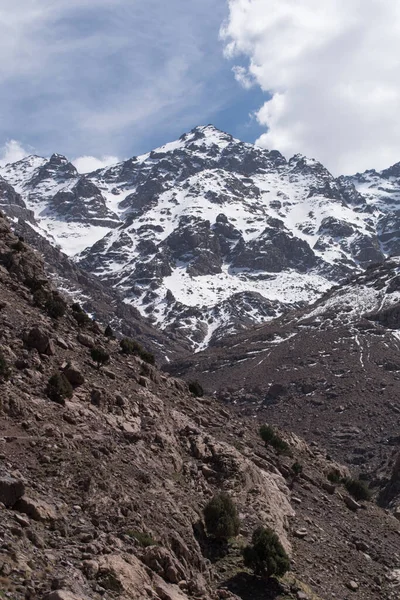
[114,78]
[117,77]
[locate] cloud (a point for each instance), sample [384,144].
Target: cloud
[97,77]
[243,76]
[87,164]
[11,152]
[332,73]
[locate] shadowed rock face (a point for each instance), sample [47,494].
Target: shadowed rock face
[57,167]
[12,203]
[83,204]
[274,251]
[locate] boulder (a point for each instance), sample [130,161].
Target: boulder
[161,561]
[39,339]
[167,591]
[351,503]
[129,576]
[74,374]
[90,568]
[38,510]
[353,586]
[85,340]
[11,490]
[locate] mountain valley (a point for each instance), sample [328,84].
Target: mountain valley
[102,492]
[249,290]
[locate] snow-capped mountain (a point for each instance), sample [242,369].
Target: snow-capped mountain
[207,235]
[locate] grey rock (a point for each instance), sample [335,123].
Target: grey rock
[86,340]
[39,339]
[11,490]
[74,374]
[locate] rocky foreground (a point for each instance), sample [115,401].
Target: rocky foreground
[101,494]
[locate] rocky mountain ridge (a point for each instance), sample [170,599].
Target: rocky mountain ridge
[208,235]
[101,494]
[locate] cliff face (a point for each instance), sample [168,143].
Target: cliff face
[102,493]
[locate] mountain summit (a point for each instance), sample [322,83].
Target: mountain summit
[207,234]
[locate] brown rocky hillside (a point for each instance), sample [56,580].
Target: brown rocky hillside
[102,493]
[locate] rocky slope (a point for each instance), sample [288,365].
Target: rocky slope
[330,372]
[208,235]
[102,495]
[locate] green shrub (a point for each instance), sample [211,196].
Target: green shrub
[265,555]
[272,438]
[281,446]
[34,284]
[358,489]
[334,476]
[267,434]
[59,388]
[196,389]
[4,368]
[99,356]
[297,468]
[109,332]
[55,306]
[18,246]
[80,316]
[148,357]
[40,297]
[144,539]
[221,517]
[129,346]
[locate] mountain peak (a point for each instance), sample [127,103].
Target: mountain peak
[208,134]
[58,159]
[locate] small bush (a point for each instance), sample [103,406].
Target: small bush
[221,517]
[55,306]
[99,356]
[358,489]
[272,438]
[4,368]
[59,388]
[334,476]
[297,468]
[196,389]
[40,297]
[109,333]
[281,446]
[81,317]
[148,357]
[267,434]
[129,346]
[265,555]
[34,284]
[18,246]
[144,539]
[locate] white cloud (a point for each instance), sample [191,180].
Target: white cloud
[11,152]
[332,69]
[243,76]
[87,164]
